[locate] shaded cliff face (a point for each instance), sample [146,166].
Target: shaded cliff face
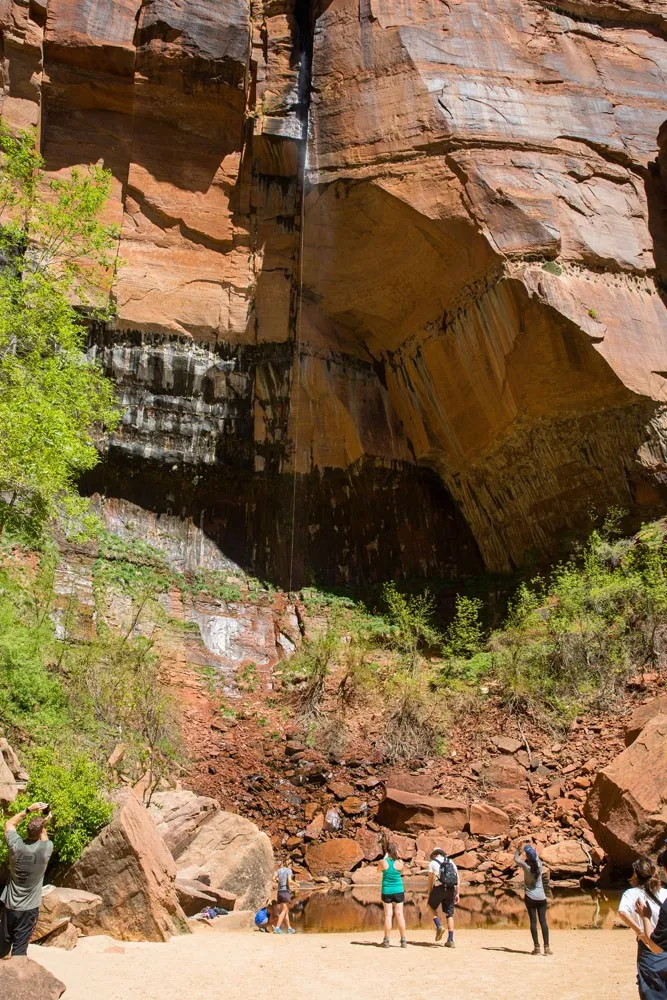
[430,335]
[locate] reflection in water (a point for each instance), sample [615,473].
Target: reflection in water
[360,909]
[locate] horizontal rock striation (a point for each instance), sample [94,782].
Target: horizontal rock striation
[392,294]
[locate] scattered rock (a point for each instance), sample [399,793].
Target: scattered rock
[407,848]
[367,875]
[428,842]
[627,805]
[488,821]
[352,805]
[514,801]
[129,867]
[506,744]
[341,789]
[405,811]
[333,857]
[23,979]
[315,829]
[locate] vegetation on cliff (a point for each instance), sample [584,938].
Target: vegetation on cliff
[51,393]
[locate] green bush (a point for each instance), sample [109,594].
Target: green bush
[75,788]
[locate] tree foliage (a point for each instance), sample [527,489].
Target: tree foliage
[53,251]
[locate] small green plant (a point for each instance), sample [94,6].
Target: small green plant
[307,671]
[552,267]
[592,313]
[411,626]
[247,677]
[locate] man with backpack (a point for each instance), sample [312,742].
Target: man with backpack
[443,893]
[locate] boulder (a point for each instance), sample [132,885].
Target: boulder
[566,859]
[129,866]
[9,787]
[193,896]
[514,801]
[235,854]
[366,875]
[503,772]
[488,821]
[65,937]
[62,906]
[407,848]
[411,812]
[642,715]
[405,781]
[333,857]
[428,842]
[23,979]
[353,805]
[627,804]
[369,842]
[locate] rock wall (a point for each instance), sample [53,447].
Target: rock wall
[392,294]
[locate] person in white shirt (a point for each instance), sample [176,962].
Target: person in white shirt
[443,893]
[639,909]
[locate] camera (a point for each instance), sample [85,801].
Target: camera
[46,810]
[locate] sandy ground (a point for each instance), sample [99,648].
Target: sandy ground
[486,965]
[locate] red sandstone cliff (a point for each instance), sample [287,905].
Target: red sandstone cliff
[480,350]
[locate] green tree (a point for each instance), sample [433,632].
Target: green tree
[410,624]
[53,251]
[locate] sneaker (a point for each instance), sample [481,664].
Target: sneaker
[536,951]
[290,930]
[439,933]
[450,943]
[548,951]
[385,943]
[404,943]
[277,930]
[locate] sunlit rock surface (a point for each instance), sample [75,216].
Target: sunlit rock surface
[430,343]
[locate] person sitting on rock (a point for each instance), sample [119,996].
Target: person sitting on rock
[535,896]
[285,877]
[443,892]
[22,896]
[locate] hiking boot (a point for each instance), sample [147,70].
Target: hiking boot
[450,943]
[386,944]
[536,950]
[548,951]
[439,933]
[404,943]
[277,930]
[290,930]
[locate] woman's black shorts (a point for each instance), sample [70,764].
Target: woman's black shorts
[393,897]
[284,896]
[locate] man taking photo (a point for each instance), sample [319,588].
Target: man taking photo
[28,860]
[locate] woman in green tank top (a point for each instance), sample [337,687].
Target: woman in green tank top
[393,896]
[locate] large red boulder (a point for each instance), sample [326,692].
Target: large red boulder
[488,821]
[23,979]
[627,805]
[428,842]
[643,715]
[369,842]
[413,812]
[503,772]
[333,857]
[567,859]
[129,866]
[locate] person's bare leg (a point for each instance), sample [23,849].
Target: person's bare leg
[281,915]
[449,943]
[387,922]
[400,920]
[439,930]
[287,923]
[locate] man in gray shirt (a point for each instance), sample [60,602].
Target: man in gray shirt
[28,860]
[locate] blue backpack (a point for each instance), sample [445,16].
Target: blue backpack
[261,917]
